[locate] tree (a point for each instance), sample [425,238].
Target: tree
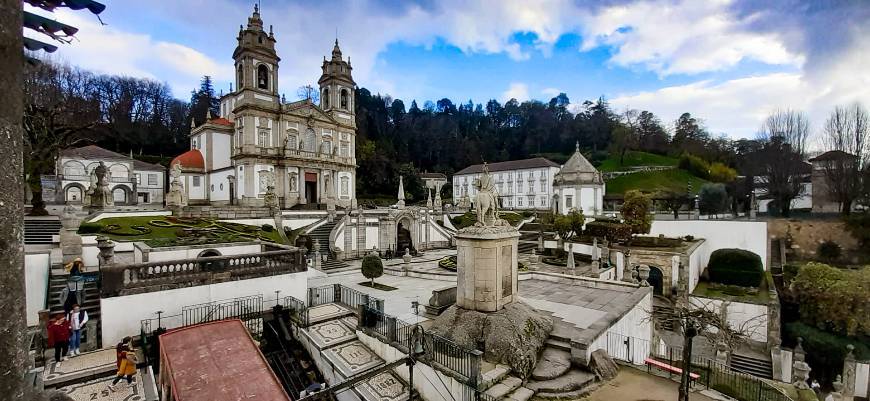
[784,135]
[576,221]
[636,212]
[712,198]
[61,108]
[372,267]
[722,173]
[308,92]
[846,136]
[833,299]
[623,138]
[674,201]
[203,101]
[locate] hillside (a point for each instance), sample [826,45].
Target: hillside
[655,182]
[636,159]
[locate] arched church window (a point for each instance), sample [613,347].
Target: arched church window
[308,143]
[241,81]
[325,98]
[263,139]
[263,77]
[344,99]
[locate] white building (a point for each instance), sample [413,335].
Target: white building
[308,148]
[131,181]
[578,185]
[521,184]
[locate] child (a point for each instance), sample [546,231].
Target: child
[126,364]
[58,337]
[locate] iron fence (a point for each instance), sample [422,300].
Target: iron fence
[298,311]
[248,309]
[712,374]
[346,296]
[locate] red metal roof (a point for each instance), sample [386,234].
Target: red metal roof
[218,361]
[190,159]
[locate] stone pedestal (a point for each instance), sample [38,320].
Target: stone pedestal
[486,266]
[70,241]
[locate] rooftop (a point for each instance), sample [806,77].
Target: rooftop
[91,152]
[536,162]
[832,155]
[218,361]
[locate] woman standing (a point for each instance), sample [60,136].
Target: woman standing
[58,337]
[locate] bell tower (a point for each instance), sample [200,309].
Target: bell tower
[337,85]
[256,62]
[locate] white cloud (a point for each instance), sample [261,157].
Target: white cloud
[517,90]
[551,92]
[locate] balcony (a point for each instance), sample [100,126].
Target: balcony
[293,154]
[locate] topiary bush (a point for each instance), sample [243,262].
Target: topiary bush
[735,267]
[829,250]
[695,165]
[372,267]
[267,228]
[90,228]
[613,232]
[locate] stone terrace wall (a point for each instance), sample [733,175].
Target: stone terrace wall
[808,234]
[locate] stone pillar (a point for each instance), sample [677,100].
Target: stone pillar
[301,183]
[486,266]
[571,266]
[849,368]
[800,369]
[70,241]
[317,253]
[107,251]
[534,259]
[839,390]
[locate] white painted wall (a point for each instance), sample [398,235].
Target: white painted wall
[292,223]
[105,215]
[161,255]
[219,185]
[36,268]
[751,318]
[636,323]
[748,235]
[220,150]
[862,379]
[122,316]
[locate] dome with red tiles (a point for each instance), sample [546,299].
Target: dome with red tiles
[192,159]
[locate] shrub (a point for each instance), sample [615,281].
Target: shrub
[372,267]
[833,299]
[829,250]
[789,272]
[712,198]
[181,232]
[859,225]
[735,267]
[635,212]
[694,165]
[562,226]
[267,228]
[825,351]
[90,228]
[448,262]
[614,232]
[722,173]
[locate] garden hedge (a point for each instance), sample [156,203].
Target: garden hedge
[614,232]
[735,267]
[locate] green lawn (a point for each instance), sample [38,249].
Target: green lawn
[652,182]
[636,159]
[166,231]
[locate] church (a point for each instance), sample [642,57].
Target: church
[306,151]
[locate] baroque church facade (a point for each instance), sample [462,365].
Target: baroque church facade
[305,151]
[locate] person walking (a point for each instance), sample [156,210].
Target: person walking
[77,319]
[126,361]
[58,337]
[75,268]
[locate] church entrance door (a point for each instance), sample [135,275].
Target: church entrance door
[311,188]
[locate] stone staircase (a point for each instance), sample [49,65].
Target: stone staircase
[527,242]
[40,230]
[321,235]
[56,284]
[752,365]
[663,314]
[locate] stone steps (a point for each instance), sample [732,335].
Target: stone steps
[553,362]
[494,376]
[504,387]
[574,379]
[752,365]
[520,394]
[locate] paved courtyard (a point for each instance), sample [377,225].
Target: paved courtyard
[634,385]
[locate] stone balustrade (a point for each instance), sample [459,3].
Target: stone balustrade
[156,276]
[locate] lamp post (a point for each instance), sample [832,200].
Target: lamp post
[417,349]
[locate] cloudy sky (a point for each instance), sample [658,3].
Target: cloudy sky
[729,63]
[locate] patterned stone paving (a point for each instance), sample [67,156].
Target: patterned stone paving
[327,312]
[87,364]
[386,386]
[330,333]
[352,358]
[98,390]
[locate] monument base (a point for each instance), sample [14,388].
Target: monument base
[486,267]
[513,336]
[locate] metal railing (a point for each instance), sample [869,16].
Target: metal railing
[713,374]
[340,294]
[248,309]
[298,311]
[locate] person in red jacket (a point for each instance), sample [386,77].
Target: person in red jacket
[58,337]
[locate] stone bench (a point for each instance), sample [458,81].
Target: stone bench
[441,299]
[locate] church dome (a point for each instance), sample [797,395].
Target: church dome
[578,171]
[190,160]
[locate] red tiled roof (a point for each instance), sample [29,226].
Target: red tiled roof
[190,159]
[509,165]
[221,121]
[218,361]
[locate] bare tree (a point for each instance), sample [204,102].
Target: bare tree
[846,135]
[308,92]
[784,137]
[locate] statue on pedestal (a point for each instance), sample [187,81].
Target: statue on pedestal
[98,194]
[486,200]
[175,199]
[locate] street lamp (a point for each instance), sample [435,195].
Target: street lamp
[416,350]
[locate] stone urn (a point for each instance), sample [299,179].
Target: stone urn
[407,256]
[643,275]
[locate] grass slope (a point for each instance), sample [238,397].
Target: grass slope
[636,159]
[652,182]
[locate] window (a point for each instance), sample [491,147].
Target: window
[569,201]
[327,147]
[345,186]
[263,139]
[324,98]
[344,99]
[543,201]
[291,140]
[152,179]
[196,181]
[241,77]
[344,149]
[520,202]
[138,178]
[222,187]
[212,187]
[308,143]
[263,77]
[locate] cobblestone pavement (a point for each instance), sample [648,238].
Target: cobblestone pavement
[84,365]
[98,390]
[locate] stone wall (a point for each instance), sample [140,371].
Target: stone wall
[226,212]
[806,235]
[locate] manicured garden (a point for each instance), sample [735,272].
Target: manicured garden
[171,231]
[469,218]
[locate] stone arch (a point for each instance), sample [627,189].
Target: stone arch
[406,235]
[74,168]
[324,98]
[209,253]
[118,170]
[118,198]
[345,99]
[309,142]
[262,76]
[656,280]
[74,189]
